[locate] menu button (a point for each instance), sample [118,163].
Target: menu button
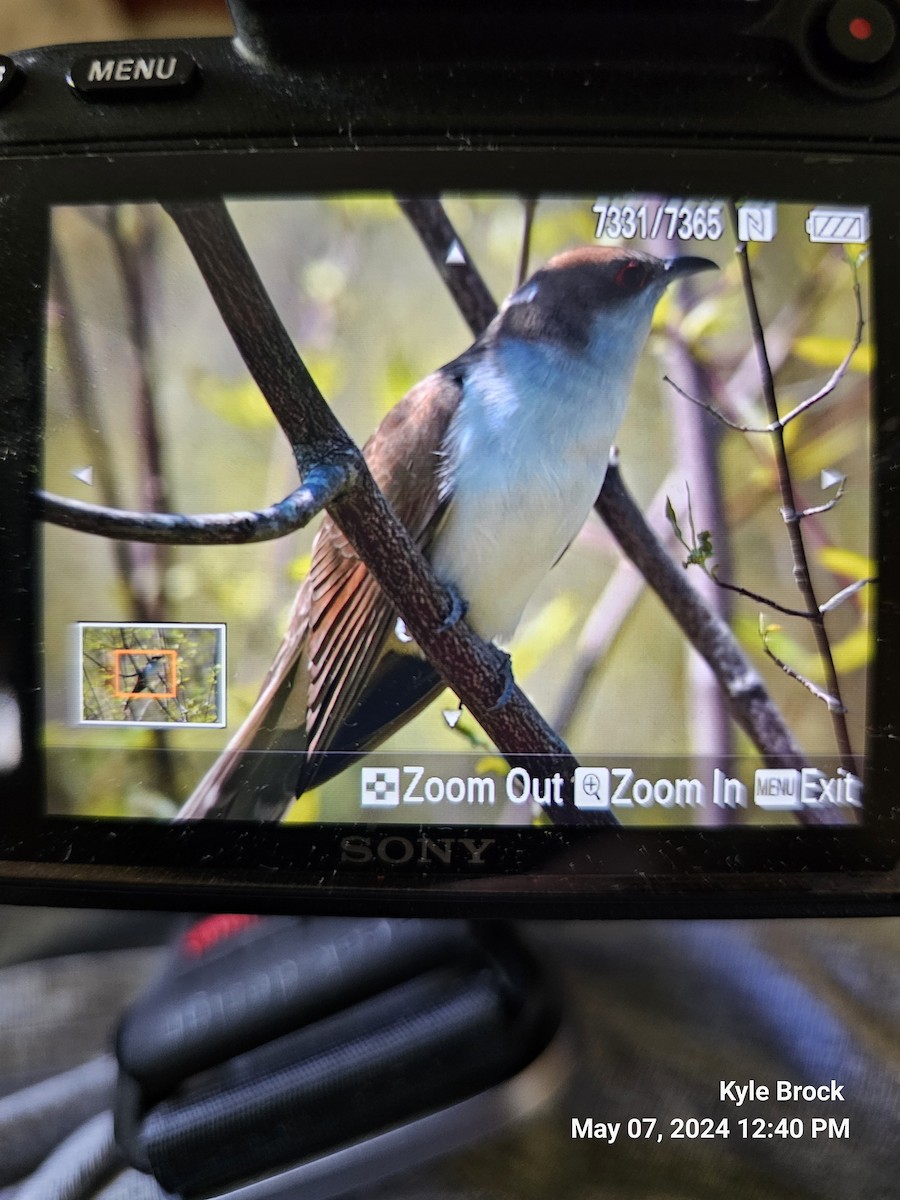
[128,76]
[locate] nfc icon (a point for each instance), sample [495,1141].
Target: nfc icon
[757,222]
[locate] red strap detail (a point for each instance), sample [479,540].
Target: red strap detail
[212,930]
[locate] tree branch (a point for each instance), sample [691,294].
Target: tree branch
[320,488]
[529,205]
[463,281]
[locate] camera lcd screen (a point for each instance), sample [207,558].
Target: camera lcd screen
[746,445]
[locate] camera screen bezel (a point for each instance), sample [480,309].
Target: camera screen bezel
[580,869]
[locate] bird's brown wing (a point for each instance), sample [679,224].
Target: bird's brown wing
[340,626]
[351,623]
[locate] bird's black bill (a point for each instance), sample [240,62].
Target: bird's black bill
[679,268]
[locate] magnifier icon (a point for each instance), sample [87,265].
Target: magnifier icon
[591,787]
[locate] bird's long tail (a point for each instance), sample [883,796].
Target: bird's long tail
[255,774]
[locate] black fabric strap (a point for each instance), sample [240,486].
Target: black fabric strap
[268,1042]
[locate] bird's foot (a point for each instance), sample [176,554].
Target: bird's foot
[457,611]
[509,685]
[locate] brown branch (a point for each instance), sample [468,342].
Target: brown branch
[757,597]
[529,204]
[463,281]
[319,489]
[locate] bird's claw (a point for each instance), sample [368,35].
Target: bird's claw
[457,610]
[509,686]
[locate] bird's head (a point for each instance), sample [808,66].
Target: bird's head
[583,300]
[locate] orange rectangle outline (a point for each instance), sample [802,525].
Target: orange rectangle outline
[172,667]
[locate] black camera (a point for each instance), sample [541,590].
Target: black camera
[569,329]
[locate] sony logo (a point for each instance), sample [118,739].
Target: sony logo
[396,850]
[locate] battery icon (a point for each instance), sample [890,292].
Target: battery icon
[839,225]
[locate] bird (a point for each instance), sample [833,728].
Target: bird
[493,463]
[153,672]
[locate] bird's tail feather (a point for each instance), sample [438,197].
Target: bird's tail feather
[265,766]
[228,787]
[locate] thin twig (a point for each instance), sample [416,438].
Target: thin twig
[757,597]
[529,205]
[788,504]
[816,510]
[702,547]
[831,702]
[827,388]
[713,410]
[844,594]
[841,370]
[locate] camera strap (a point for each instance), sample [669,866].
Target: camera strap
[275,1052]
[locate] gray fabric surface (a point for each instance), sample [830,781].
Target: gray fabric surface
[36,1119]
[78,1166]
[58,1013]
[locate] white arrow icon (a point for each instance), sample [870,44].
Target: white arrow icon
[455,256]
[451,716]
[85,475]
[830,478]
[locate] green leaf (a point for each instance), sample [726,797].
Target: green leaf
[673,520]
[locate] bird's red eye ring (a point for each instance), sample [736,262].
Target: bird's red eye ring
[632,277]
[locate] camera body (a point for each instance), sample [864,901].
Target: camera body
[129,658]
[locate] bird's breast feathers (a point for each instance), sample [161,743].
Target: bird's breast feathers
[522,462]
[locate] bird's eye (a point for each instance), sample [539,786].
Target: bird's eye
[632,276]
